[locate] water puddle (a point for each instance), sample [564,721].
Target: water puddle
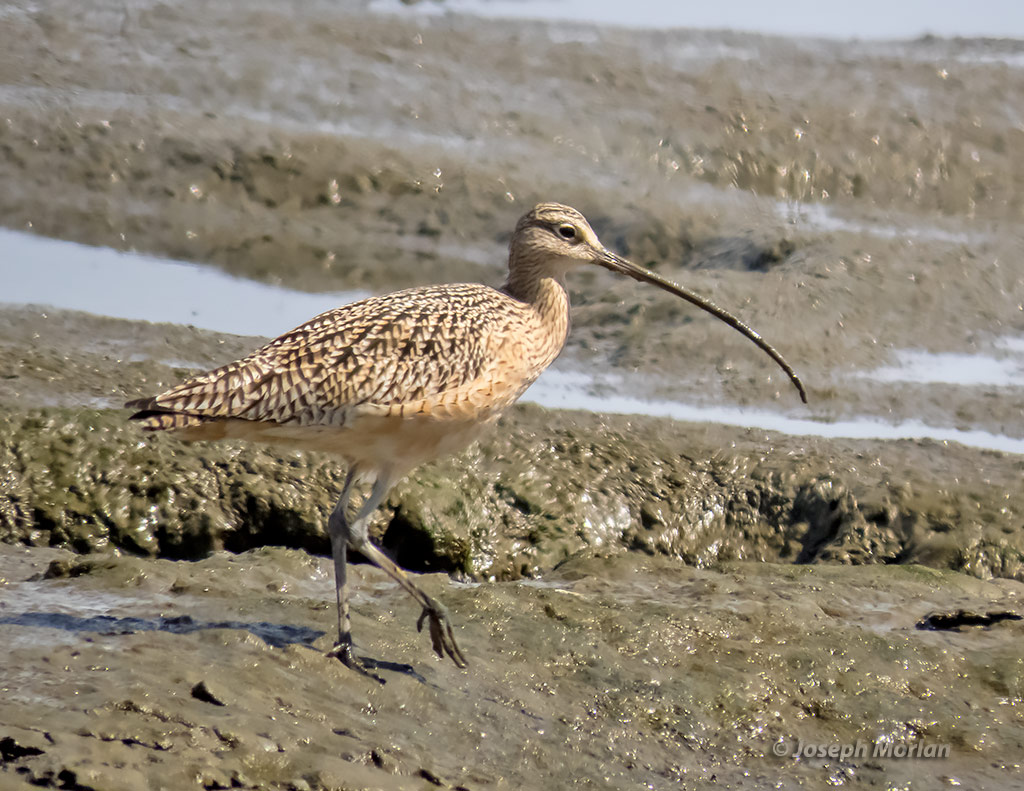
[38,271]
[273,634]
[870,19]
[50,613]
[969,370]
[569,390]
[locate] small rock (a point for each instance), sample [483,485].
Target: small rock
[203,691]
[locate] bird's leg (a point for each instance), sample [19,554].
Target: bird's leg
[338,530]
[441,634]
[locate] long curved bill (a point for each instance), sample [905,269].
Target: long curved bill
[609,260]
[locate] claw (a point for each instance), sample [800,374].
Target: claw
[441,635]
[345,653]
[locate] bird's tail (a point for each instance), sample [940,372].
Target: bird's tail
[151,416]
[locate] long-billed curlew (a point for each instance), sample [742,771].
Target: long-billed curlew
[390,382]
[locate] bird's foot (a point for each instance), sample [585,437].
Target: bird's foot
[344,651]
[441,634]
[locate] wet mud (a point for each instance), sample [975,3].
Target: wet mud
[616,670]
[644,603]
[641,600]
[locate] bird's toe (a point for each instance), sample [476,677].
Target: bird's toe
[441,635]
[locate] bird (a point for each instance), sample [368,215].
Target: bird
[392,381]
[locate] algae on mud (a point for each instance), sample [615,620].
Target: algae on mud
[532,494]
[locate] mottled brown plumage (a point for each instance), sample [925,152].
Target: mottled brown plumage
[392,381]
[435,354]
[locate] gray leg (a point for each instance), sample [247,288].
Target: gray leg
[338,530]
[441,634]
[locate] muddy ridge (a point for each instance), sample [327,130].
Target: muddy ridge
[538,490]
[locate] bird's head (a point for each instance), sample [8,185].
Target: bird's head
[552,238]
[555,238]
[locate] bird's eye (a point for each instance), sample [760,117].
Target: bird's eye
[567,231]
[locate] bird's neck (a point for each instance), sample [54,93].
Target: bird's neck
[547,297]
[532,278]
[544,292]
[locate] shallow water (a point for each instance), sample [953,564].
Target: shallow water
[969,370]
[569,390]
[39,271]
[874,19]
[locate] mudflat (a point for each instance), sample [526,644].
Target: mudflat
[644,602]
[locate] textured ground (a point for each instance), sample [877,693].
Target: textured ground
[645,603]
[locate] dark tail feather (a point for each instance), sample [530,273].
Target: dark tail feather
[153,420]
[152,417]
